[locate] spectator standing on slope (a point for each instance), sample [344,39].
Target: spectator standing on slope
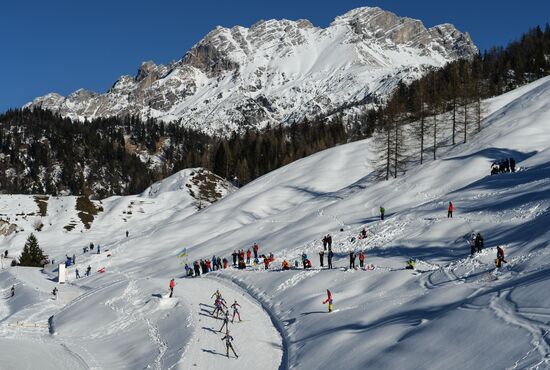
[450,210]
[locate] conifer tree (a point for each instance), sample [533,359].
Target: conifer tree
[32,255]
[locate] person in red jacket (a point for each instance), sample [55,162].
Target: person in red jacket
[500,257]
[361,259]
[172,285]
[450,210]
[248,254]
[255,248]
[328,300]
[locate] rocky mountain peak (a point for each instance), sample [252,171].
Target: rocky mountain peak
[276,71]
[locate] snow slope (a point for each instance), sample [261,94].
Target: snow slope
[454,311]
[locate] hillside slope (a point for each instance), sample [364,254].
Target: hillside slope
[453,311]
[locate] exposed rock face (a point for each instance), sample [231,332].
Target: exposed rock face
[277,71]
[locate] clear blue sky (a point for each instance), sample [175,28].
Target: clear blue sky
[62,45]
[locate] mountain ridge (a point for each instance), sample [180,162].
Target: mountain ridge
[275,71]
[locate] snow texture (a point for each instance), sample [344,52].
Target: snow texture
[454,311]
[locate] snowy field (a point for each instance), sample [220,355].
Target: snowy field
[454,311]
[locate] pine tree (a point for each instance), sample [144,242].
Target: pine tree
[32,255]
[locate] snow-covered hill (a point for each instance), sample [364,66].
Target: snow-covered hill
[454,311]
[277,71]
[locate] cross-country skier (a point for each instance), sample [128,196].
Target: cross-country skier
[322,257]
[216,294]
[228,339]
[171,286]
[235,306]
[450,210]
[330,255]
[225,322]
[328,300]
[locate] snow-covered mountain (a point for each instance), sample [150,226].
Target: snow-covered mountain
[454,311]
[276,71]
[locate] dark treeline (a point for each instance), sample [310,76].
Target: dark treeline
[457,90]
[43,153]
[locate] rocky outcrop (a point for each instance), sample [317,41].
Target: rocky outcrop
[276,71]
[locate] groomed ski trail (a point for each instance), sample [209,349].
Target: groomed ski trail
[258,343]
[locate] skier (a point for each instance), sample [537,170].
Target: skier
[6,253]
[219,263]
[382,212]
[219,304]
[88,270]
[225,322]
[266,263]
[74,259]
[330,255]
[512,165]
[361,259]
[214,263]
[225,262]
[236,308]
[328,300]
[12,290]
[329,241]
[410,264]
[208,266]
[363,234]
[98,249]
[54,292]
[500,257]
[216,295]
[127,233]
[228,339]
[325,242]
[248,254]
[321,257]
[77,274]
[450,210]
[351,260]
[171,286]
[255,248]
[197,268]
